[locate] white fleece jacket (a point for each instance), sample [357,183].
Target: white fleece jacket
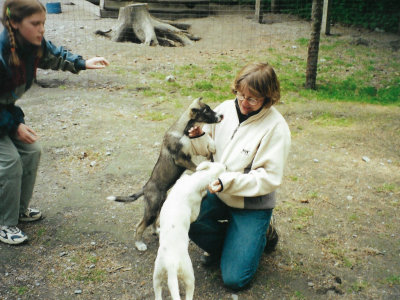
[254,153]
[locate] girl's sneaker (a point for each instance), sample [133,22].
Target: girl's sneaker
[12,235]
[30,215]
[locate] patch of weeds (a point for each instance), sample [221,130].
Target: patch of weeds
[312,195]
[157,75]
[19,290]
[298,295]
[156,116]
[204,85]
[223,66]
[189,71]
[293,178]
[302,217]
[390,94]
[41,232]
[302,41]
[353,218]
[305,212]
[329,119]
[393,280]
[177,103]
[387,188]
[151,93]
[339,254]
[356,89]
[119,71]
[351,52]
[329,46]
[358,286]
[93,259]
[91,275]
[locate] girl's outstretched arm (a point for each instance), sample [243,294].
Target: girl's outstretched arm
[96,63]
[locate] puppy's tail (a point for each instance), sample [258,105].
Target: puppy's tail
[130,198]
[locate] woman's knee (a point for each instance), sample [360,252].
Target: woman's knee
[236,281]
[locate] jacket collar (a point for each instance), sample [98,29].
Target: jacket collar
[255,115]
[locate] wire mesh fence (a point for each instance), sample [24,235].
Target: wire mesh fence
[232,23]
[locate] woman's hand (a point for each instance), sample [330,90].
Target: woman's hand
[215,187]
[195,131]
[25,134]
[96,63]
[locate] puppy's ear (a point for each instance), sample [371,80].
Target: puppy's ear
[193,113]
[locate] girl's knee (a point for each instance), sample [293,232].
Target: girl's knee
[11,165]
[36,150]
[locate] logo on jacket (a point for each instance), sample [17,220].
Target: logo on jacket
[245,152]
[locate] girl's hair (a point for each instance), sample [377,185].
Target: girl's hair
[261,80]
[17,10]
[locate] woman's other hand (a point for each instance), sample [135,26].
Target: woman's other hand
[215,187]
[195,131]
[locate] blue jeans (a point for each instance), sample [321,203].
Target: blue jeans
[240,242]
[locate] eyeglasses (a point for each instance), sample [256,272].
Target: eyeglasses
[251,101]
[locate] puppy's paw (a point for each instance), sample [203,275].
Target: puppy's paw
[111,198]
[140,246]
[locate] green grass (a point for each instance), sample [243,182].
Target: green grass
[393,280]
[20,290]
[348,73]
[156,116]
[387,188]
[329,119]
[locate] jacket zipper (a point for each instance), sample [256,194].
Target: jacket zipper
[235,132]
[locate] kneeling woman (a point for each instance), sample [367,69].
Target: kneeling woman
[253,141]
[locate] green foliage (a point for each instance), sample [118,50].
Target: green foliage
[371,14]
[393,280]
[20,290]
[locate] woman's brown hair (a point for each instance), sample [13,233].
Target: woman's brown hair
[261,80]
[16,11]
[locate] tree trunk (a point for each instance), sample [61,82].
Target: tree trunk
[136,24]
[313,46]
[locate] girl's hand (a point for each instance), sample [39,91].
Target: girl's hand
[25,134]
[195,131]
[96,63]
[215,187]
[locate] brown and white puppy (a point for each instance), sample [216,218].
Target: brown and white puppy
[175,157]
[181,208]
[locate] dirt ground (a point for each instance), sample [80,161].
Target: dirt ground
[338,214]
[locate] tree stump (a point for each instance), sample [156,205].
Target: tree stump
[137,25]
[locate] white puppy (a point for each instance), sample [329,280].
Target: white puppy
[180,209]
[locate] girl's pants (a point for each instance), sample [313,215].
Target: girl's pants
[239,242]
[18,167]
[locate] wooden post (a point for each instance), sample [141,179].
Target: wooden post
[275,6]
[326,17]
[258,15]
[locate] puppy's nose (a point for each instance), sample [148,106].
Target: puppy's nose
[221,117]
